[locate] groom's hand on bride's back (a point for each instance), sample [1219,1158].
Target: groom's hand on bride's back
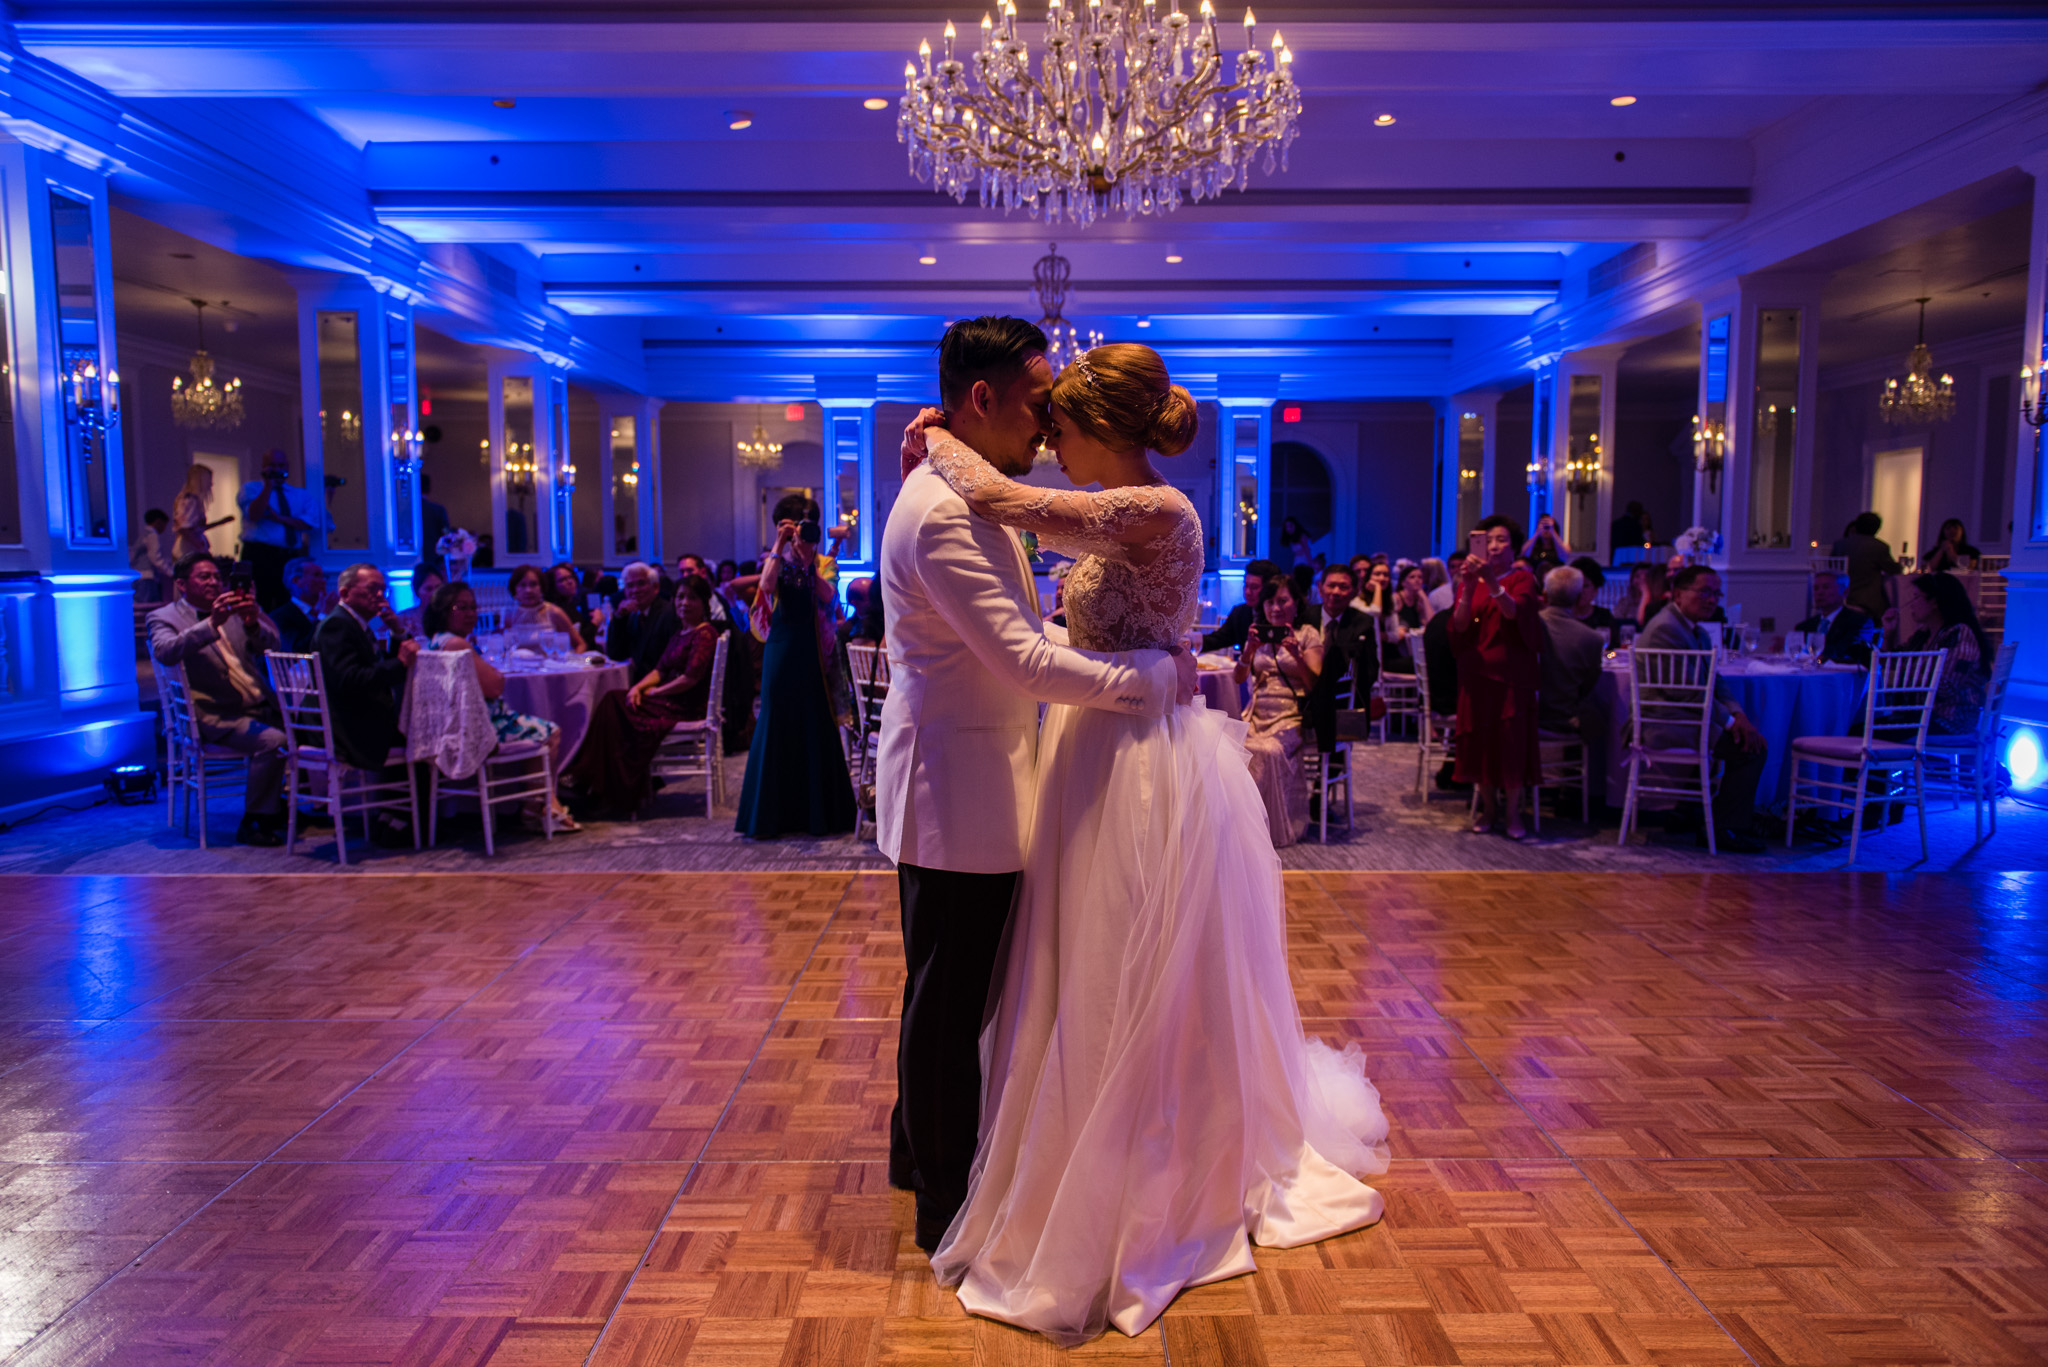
[1184,667]
[913,437]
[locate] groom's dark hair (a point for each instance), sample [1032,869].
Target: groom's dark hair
[989,348]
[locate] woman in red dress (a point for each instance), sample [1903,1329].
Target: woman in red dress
[1497,632]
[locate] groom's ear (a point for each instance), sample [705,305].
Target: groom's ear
[981,397]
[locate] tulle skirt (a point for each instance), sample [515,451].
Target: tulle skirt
[1151,1106]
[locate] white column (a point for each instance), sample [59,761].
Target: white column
[1765,557]
[2026,609]
[1545,415]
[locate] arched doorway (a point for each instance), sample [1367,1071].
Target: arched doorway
[1302,491]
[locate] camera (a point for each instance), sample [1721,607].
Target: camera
[809,532]
[241,579]
[1271,633]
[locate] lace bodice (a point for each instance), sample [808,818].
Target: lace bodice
[1138,572]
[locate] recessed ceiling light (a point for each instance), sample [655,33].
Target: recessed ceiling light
[1622,101]
[1144,322]
[739,118]
[504,104]
[874,102]
[1383,121]
[1173,260]
[927,261]
[181,256]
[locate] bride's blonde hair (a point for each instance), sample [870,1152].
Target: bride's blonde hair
[1121,395]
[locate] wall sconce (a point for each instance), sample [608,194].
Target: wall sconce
[519,468]
[2031,407]
[1467,476]
[97,406]
[405,449]
[1536,474]
[1581,476]
[1709,449]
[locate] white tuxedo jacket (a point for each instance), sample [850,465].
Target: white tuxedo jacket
[969,660]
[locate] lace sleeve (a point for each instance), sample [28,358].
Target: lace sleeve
[1113,522]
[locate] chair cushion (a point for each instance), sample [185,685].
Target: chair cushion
[1850,749]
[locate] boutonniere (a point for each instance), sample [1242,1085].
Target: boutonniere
[1030,540]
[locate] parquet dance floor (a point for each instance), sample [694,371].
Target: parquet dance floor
[551,1119]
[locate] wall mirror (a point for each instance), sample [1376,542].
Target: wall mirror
[340,361]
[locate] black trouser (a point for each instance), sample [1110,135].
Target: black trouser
[266,564]
[952,931]
[1741,770]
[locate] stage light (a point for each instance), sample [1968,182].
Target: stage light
[131,784]
[2023,759]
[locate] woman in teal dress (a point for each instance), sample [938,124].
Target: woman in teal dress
[796,772]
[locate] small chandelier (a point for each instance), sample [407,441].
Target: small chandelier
[202,403]
[759,453]
[1130,110]
[1919,398]
[1582,473]
[1063,340]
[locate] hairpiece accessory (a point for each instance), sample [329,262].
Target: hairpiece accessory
[1087,371]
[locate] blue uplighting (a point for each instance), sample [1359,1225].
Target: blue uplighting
[2023,759]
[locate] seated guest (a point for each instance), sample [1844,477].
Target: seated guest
[218,637]
[1284,662]
[563,587]
[364,684]
[1238,624]
[1436,575]
[1409,618]
[1952,550]
[723,615]
[1646,595]
[1683,625]
[864,620]
[1498,634]
[1573,654]
[1350,656]
[640,628]
[1939,616]
[531,609]
[1442,595]
[427,578]
[1544,551]
[1841,625]
[306,582]
[1592,580]
[451,625]
[1376,590]
[612,764]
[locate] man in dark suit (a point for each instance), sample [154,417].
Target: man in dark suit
[218,637]
[1840,623]
[364,685]
[296,620]
[644,623]
[1682,625]
[1870,563]
[1237,626]
[1351,655]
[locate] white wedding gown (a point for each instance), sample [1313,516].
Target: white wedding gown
[1151,1107]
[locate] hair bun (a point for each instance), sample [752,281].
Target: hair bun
[1173,426]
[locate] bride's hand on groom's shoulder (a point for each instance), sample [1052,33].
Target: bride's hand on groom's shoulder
[913,437]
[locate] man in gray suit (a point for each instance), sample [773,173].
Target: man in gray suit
[1695,597]
[218,636]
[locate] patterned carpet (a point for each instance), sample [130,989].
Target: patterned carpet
[1396,831]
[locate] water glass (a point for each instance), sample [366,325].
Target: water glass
[1750,638]
[1628,635]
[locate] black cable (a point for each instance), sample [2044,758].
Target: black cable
[6,826]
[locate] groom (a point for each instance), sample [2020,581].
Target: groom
[956,768]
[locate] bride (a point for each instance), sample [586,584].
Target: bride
[1151,1105]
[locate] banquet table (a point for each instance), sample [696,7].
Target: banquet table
[565,693]
[1784,700]
[1220,689]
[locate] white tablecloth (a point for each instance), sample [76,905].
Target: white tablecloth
[1220,690]
[566,697]
[1783,701]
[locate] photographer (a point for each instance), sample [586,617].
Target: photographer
[215,631]
[275,529]
[1285,661]
[796,773]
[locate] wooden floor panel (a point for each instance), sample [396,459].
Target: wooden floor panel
[543,1120]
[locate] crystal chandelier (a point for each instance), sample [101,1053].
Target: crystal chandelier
[201,402]
[1129,110]
[1919,398]
[759,453]
[1063,340]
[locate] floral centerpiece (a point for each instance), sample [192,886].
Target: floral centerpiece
[1696,544]
[456,547]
